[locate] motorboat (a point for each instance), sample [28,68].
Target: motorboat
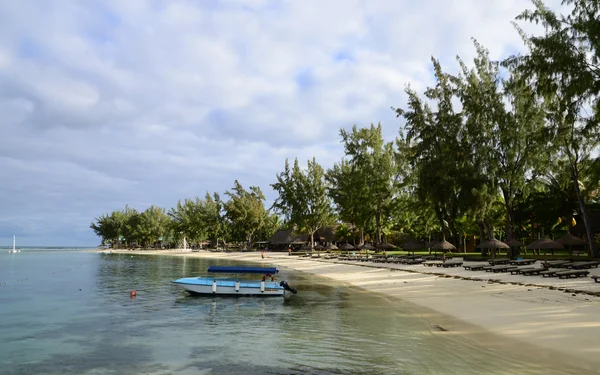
[232,286]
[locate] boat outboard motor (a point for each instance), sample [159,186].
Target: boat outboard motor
[287,287]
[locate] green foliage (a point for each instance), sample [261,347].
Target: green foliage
[187,221]
[302,196]
[376,169]
[349,193]
[563,67]
[246,211]
[440,151]
[478,149]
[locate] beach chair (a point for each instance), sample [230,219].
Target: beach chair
[557,263]
[518,270]
[532,271]
[452,263]
[522,262]
[552,273]
[498,261]
[475,267]
[413,261]
[572,273]
[499,268]
[584,264]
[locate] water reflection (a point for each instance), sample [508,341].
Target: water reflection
[324,329]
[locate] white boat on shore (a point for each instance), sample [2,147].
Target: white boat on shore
[234,286]
[14,248]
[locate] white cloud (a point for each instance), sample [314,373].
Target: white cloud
[140,102]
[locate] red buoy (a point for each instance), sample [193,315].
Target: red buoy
[132,293]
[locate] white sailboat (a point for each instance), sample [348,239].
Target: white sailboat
[14,249]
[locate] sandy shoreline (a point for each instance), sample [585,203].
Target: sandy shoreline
[559,321]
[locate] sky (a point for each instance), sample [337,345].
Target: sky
[108,103]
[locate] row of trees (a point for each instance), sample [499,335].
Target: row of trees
[498,149]
[243,217]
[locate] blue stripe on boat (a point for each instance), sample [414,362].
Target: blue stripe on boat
[234,269]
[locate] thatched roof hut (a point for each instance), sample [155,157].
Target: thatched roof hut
[282,237]
[326,234]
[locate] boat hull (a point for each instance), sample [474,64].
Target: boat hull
[230,287]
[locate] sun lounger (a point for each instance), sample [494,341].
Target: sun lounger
[431,263]
[572,273]
[552,273]
[412,261]
[522,262]
[518,270]
[498,261]
[532,271]
[499,268]
[557,262]
[582,265]
[452,263]
[475,267]
[596,277]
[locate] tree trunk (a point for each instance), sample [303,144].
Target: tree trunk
[249,238]
[312,241]
[586,220]
[490,233]
[454,233]
[481,235]
[509,218]
[378,224]
[429,240]
[442,226]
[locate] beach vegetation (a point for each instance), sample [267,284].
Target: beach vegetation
[492,149]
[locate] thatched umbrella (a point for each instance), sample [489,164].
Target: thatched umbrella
[365,247]
[429,244]
[515,243]
[544,244]
[414,245]
[444,246]
[570,240]
[331,247]
[385,246]
[347,247]
[514,247]
[493,244]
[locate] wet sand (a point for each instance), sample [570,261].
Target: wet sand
[564,323]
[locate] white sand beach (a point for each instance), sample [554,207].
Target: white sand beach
[526,309]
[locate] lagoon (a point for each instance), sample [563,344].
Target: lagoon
[70,312]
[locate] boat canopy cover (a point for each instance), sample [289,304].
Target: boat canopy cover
[236,269]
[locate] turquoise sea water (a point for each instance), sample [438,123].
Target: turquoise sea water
[70,312]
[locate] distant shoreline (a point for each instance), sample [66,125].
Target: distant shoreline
[563,324]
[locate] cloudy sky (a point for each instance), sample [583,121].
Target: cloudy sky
[107,103]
